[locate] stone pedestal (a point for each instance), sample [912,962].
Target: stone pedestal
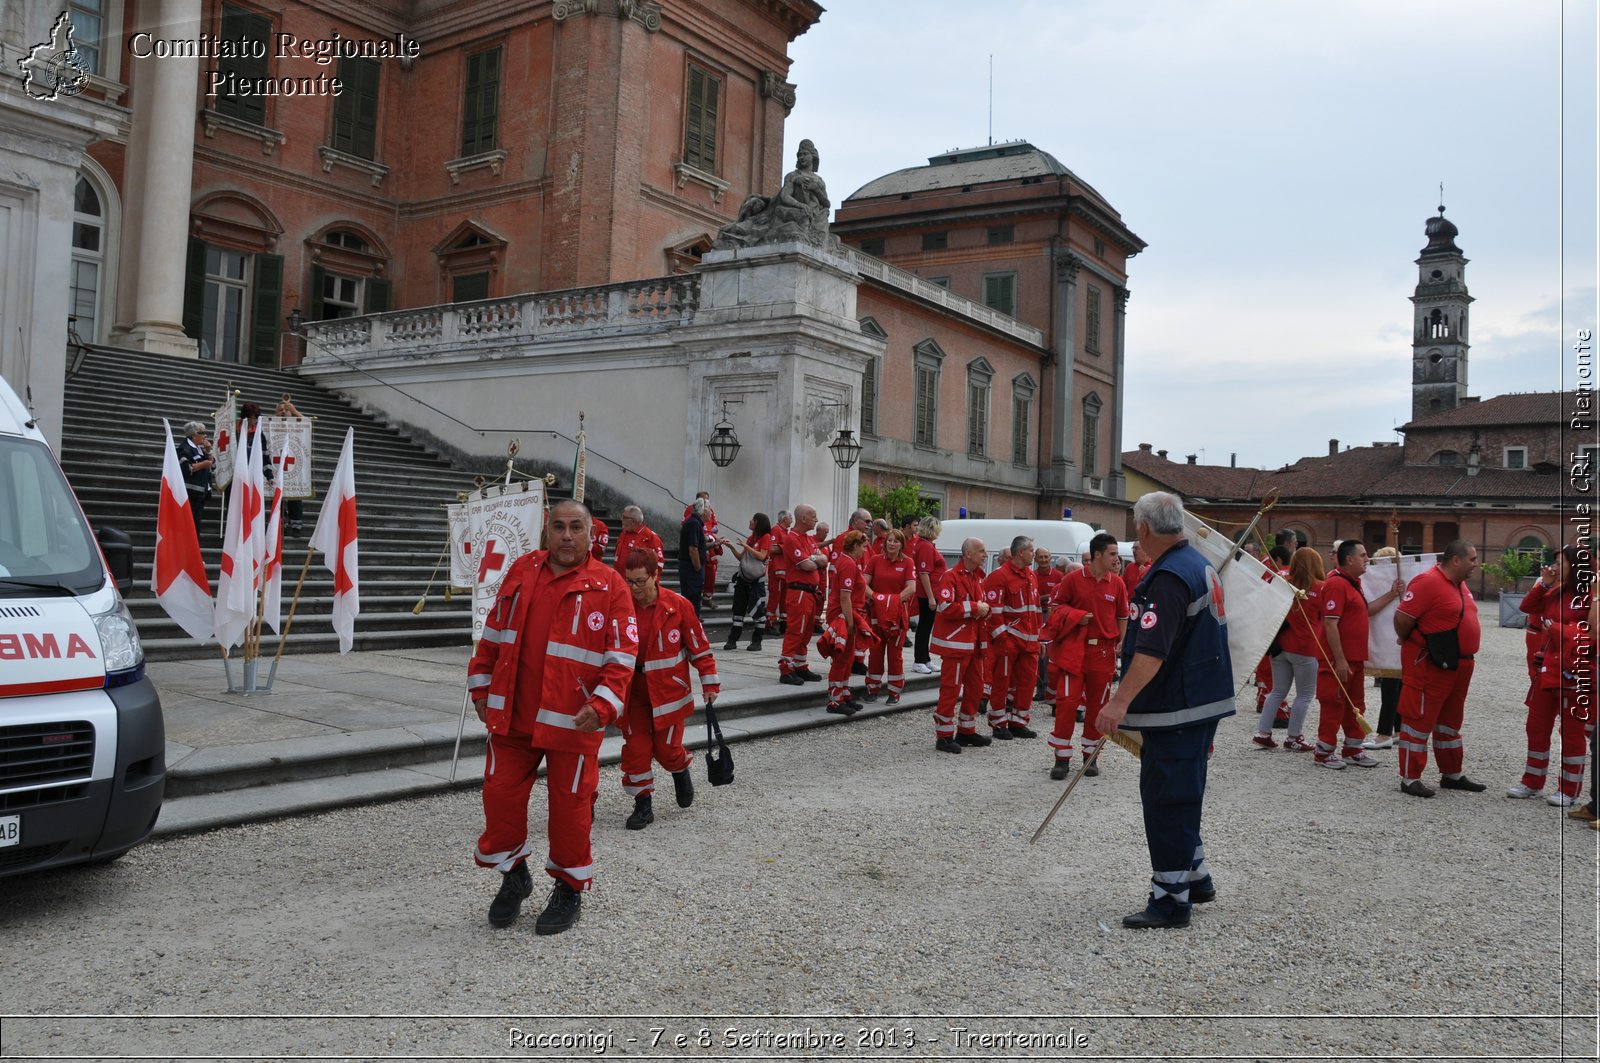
[777,338]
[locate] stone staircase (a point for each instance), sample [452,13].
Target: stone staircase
[111,451]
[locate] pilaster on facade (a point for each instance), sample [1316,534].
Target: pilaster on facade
[773,87]
[212,120]
[1064,473]
[1116,486]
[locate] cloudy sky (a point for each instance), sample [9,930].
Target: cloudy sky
[1280,159]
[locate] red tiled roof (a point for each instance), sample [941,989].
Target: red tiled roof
[1529,407]
[1213,482]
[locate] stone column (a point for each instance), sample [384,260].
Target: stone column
[160,179]
[1064,472]
[1116,486]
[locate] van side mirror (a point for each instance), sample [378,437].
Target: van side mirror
[117,546]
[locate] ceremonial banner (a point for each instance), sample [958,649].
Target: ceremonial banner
[225,420]
[1255,600]
[289,447]
[504,522]
[1383,652]
[178,575]
[463,574]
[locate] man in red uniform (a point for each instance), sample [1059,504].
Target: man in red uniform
[1013,642]
[957,634]
[1088,620]
[846,601]
[659,699]
[1433,695]
[550,672]
[636,535]
[860,521]
[1134,571]
[1341,671]
[778,572]
[805,562]
[1049,578]
[599,539]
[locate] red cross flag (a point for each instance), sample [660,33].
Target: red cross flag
[178,577]
[272,564]
[335,538]
[243,542]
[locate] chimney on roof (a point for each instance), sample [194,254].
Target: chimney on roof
[1191,458]
[1233,460]
[1144,448]
[1333,447]
[1469,398]
[1161,454]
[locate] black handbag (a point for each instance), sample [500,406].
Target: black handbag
[719,759]
[1444,647]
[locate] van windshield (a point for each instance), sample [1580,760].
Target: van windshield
[44,539]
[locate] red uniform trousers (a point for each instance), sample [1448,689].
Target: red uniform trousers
[839,669]
[801,610]
[641,743]
[776,610]
[886,663]
[573,781]
[960,679]
[1341,709]
[1091,688]
[1263,681]
[1545,705]
[1013,672]
[710,572]
[1432,702]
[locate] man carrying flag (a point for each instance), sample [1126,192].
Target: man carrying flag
[178,576]
[335,538]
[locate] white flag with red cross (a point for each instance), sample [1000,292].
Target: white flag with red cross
[243,542]
[272,564]
[178,577]
[503,523]
[335,538]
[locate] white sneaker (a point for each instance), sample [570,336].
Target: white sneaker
[923,668]
[1361,760]
[1561,800]
[1521,790]
[1378,741]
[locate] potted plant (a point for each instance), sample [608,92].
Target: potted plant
[1509,572]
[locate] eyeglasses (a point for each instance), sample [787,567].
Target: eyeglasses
[645,582]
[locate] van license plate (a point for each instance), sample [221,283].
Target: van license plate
[10,831]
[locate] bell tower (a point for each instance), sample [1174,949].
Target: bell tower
[1439,332]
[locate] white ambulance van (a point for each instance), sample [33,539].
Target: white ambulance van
[1063,538]
[82,741]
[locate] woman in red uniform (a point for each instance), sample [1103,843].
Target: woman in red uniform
[893,574]
[1562,688]
[1296,663]
[750,582]
[846,598]
[930,570]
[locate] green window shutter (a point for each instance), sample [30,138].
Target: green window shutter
[700,121]
[194,288]
[355,110]
[692,123]
[708,131]
[268,300]
[237,25]
[469,287]
[482,105]
[314,309]
[377,296]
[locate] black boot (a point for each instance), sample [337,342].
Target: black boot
[683,788]
[643,814]
[733,641]
[515,885]
[755,640]
[562,911]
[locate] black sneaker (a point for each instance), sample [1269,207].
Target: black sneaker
[683,788]
[1093,769]
[947,745]
[1061,769]
[1461,782]
[1019,731]
[643,814]
[975,740]
[870,696]
[892,699]
[1202,896]
[755,644]
[731,645]
[856,704]
[841,709]
[562,912]
[1152,919]
[515,885]
[808,675]
[1003,733]
[1416,788]
[858,669]
[791,679]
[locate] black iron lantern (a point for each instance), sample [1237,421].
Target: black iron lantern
[845,449]
[723,444]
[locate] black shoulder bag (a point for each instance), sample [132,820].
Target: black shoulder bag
[1444,647]
[719,760]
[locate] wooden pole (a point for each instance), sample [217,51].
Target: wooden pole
[288,621]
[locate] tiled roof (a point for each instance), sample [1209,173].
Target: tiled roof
[1529,407]
[1001,162]
[1214,483]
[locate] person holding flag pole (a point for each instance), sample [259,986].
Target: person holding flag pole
[178,576]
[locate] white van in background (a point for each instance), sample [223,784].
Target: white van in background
[82,740]
[1063,538]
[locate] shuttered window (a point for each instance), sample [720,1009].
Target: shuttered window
[355,110]
[927,405]
[481,110]
[700,120]
[241,25]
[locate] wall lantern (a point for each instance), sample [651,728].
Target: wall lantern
[845,448]
[723,444]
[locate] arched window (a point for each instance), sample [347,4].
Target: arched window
[346,276]
[88,259]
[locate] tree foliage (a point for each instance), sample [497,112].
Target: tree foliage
[903,500]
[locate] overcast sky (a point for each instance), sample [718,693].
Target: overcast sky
[1280,160]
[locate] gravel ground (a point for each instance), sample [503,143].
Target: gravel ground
[851,871]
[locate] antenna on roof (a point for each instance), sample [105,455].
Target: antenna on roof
[991,101]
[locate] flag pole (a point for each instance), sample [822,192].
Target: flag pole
[461,727]
[288,621]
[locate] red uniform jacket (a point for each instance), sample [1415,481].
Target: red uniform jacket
[599,538]
[643,539]
[955,619]
[1013,596]
[589,658]
[1080,594]
[1565,654]
[670,640]
[777,563]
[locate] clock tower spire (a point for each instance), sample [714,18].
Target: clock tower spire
[1439,332]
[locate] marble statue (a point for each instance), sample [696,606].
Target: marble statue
[799,211]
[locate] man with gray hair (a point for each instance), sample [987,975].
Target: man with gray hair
[636,535]
[778,574]
[1177,682]
[196,461]
[959,612]
[692,554]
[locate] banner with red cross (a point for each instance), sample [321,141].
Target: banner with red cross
[289,450]
[495,526]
